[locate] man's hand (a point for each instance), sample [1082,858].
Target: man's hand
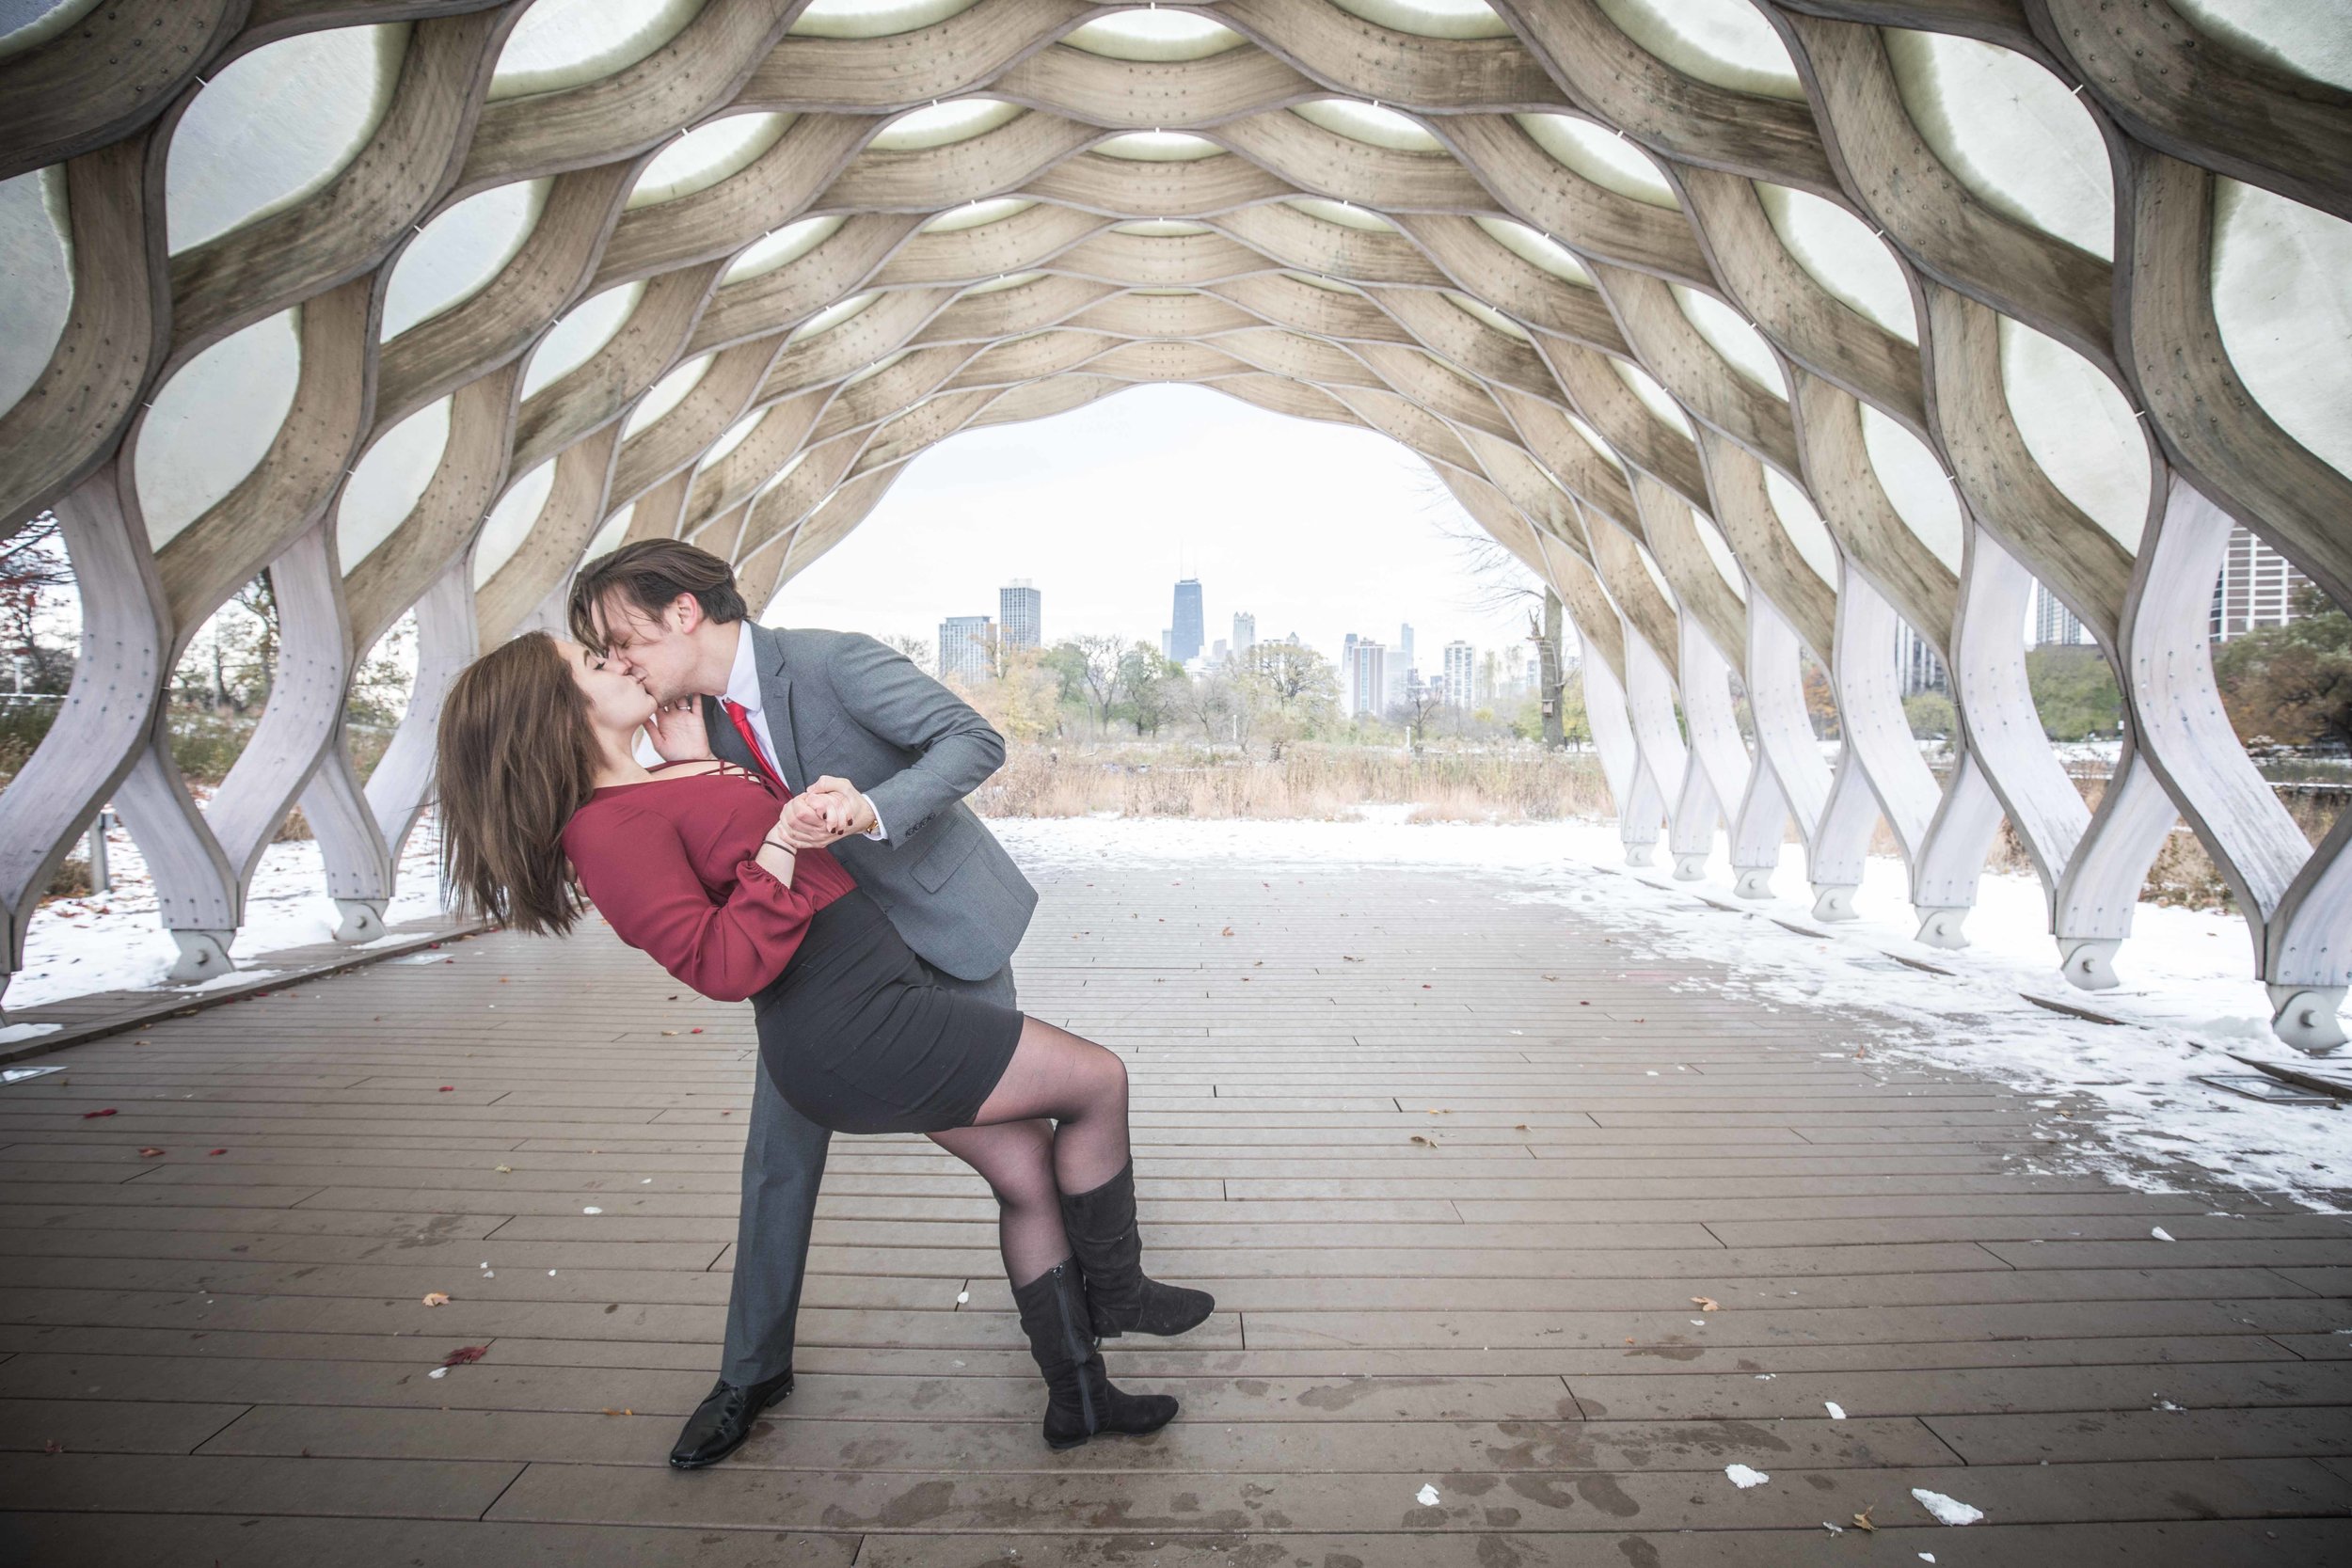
[827,811]
[677,732]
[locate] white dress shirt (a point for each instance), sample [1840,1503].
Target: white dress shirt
[743,691]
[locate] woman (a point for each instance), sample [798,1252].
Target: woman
[689,861]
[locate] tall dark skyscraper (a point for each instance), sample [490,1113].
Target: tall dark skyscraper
[1187,630]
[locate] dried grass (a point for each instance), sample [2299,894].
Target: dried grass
[1314,782]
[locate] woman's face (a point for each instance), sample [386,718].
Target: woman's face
[616,703]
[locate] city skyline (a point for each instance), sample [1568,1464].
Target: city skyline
[1311,528]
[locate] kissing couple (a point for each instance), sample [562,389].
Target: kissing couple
[779,816]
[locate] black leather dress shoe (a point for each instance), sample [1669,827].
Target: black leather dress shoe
[721,1423]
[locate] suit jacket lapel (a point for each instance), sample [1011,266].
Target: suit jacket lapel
[775,697]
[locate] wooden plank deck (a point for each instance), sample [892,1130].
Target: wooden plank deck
[1455,1181]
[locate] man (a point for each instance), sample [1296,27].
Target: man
[893,754]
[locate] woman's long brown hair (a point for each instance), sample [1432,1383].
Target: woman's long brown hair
[517,758]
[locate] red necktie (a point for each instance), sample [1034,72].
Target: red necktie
[759,760]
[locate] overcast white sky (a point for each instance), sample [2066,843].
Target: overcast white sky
[1319,528]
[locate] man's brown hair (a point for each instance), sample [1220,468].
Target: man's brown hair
[650,575]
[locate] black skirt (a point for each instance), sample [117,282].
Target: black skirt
[859,1039]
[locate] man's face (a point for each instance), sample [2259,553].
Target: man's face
[657,651]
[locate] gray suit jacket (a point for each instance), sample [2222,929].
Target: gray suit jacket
[841,703]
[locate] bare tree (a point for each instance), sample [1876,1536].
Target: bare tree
[918,650]
[1104,675]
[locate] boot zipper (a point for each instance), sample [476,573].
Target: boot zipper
[1070,1337]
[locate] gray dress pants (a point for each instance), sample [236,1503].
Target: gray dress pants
[783,1160]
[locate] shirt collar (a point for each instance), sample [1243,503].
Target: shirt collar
[743,678]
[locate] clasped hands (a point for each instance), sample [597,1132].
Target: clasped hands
[827,811]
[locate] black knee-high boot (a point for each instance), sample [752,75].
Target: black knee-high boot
[1120,1296]
[1082,1400]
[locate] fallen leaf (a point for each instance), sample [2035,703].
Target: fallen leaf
[210,1152]
[90,1115]
[464,1354]
[449,1088]
[50,1444]
[148,1154]
[1862,1520]
[1227,933]
[436,1298]
[668,1032]
[694,1031]
[503,1170]
[1706,1304]
[1423,1142]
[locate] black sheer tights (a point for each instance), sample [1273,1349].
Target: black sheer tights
[1056,1122]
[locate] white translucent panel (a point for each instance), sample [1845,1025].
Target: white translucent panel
[1435,19]
[1803,525]
[276,126]
[1592,438]
[460,252]
[782,474]
[736,433]
[1719,552]
[1006,281]
[509,522]
[26,23]
[1914,481]
[938,124]
[1162,228]
[666,394]
[972,214]
[1844,255]
[1728,333]
[609,537]
[1725,42]
[2079,428]
[779,247]
[2309,37]
[832,316]
[1488,314]
[1656,398]
[576,337]
[1372,124]
[1345,213]
[1168,293]
[1601,156]
[2286,311]
[705,155]
[562,43]
[872,19]
[1158,146]
[386,485]
[1154,35]
[36,276]
[2011,131]
[1537,250]
[212,423]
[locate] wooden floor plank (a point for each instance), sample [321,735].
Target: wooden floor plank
[1563,1262]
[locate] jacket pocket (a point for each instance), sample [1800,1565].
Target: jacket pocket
[941,860]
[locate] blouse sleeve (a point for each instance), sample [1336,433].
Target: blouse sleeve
[644,885]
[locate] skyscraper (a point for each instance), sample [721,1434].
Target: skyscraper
[2052,621]
[1372,679]
[1401,665]
[1021,610]
[1461,665]
[1347,672]
[966,647]
[1244,631]
[1916,663]
[1186,631]
[2258,587]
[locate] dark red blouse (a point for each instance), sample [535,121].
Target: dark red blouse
[672,865]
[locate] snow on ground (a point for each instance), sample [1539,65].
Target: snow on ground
[2140,1081]
[111,941]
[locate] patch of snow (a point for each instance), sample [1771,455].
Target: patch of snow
[15,1032]
[1743,1478]
[1836,1410]
[1950,1510]
[112,941]
[1426,1497]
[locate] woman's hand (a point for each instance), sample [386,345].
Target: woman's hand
[678,731]
[803,823]
[827,811]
